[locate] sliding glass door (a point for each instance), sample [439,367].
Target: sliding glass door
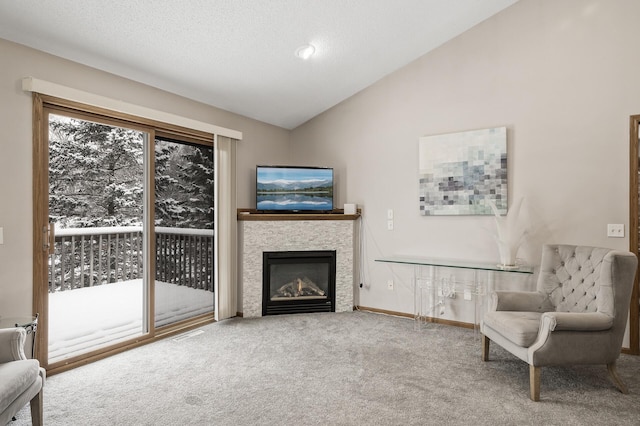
[184,178]
[96,217]
[123,231]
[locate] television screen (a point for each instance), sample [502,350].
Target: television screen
[294,189]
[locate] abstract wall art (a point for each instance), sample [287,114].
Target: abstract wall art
[460,173]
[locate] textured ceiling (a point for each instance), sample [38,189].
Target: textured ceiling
[239,54]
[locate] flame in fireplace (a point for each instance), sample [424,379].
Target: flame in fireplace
[300,288]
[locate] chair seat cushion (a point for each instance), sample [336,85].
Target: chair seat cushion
[520,328]
[15,378]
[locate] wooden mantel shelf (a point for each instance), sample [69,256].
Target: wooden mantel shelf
[337,214]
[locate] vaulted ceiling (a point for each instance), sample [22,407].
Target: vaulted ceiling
[239,54]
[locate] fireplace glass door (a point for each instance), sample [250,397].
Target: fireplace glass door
[296,282]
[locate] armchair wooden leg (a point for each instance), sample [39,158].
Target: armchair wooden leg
[485,348]
[36,409]
[617,381]
[534,382]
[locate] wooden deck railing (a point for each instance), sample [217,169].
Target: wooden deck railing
[86,257]
[185,257]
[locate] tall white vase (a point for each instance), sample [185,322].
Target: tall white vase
[509,233]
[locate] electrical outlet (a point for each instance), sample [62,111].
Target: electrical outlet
[389,284]
[615,230]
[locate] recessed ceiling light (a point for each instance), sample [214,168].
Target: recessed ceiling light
[305,52]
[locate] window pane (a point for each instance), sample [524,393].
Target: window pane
[184,231]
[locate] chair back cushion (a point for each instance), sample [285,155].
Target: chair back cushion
[571,276]
[12,344]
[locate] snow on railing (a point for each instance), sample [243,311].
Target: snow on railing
[86,257]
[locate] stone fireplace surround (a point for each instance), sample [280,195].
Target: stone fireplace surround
[295,232]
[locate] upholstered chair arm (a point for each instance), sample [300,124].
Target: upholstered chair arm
[12,344]
[525,301]
[578,321]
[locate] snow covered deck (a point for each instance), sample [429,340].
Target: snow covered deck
[87,318]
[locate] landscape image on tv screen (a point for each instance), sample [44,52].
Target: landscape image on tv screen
[294,189]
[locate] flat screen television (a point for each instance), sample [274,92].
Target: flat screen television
[294,189]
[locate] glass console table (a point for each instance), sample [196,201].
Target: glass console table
[430,292]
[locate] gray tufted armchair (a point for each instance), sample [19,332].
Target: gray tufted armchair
[577,316]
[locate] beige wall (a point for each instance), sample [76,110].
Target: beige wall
[561,75]
[262,143]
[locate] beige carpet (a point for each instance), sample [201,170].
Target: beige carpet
[351,368]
